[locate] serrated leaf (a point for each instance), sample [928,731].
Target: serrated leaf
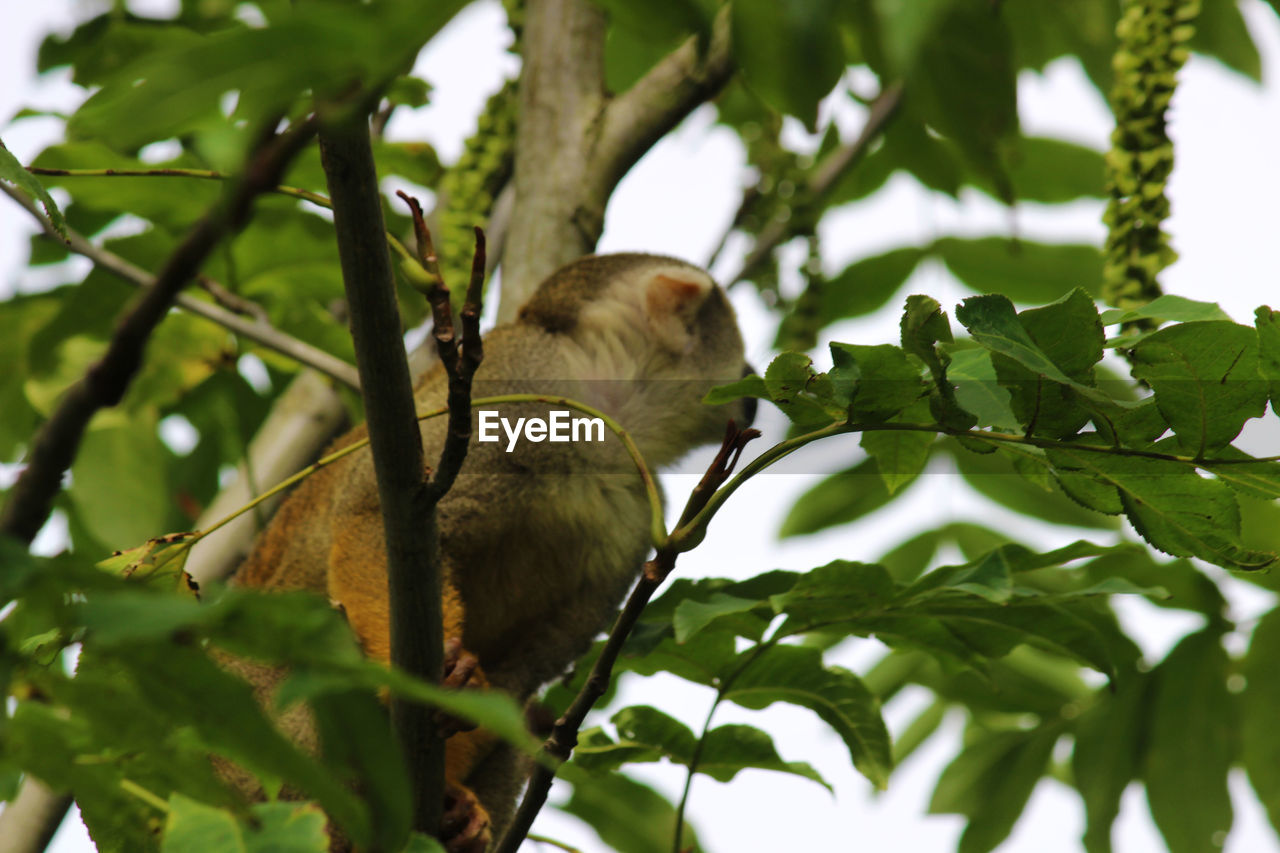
[923,326]
[977,389]
[795,674]
[1170,308]
[1267,323]
[1205,378]
[838,590]
[900,455]
[797,390]
[1175,510]
[1192,744]
[997,477]
[1069,334]
[732,748]
[874,382]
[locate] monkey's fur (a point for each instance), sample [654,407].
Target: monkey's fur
[540,544]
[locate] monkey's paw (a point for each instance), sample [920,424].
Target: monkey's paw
[460,670]
[464,828]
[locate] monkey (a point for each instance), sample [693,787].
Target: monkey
[539,540]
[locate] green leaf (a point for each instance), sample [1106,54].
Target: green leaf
[993,323]
[221,708]
[119,483]
[661,20]
[1267,323]
[795,674]
[277,828]
[923,326]
[647,734]
[11,171]
[747,386]
[629,817]
[867,284]
[996,476]
[1220,32]
[1053,171]
[1110,739]
[797,390]
[729,749]
[20,319]
[977,390]
[964,85]
[1021,269]
[900,455]
[1260,736]
[839,590]
[840,498]
[1171,507]
[905,27]
[790,54]
[321,46]
[1205,378]
[1192,745]
[1069,334]
[1173,309]
[990,783]
[874,382]
[691,616]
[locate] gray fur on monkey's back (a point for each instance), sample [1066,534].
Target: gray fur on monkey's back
[539,544]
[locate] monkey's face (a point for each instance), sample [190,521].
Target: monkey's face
[644,338]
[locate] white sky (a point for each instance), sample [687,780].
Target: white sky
[678,201]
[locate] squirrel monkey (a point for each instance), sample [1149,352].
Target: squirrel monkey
[539,540]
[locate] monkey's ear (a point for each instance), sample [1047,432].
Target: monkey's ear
[672,299]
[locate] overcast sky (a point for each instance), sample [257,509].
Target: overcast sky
[678,201]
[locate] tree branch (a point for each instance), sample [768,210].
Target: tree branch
[104,383]
[564,735]
[573,145]
[413,571]
[30,820]
[661,99]
[258,331]
[824,178]
[561,98]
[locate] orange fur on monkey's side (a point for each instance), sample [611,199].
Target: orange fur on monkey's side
[539,541]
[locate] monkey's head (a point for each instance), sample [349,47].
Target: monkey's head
[649,337]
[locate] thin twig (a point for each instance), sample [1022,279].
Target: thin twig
[258,332]
[824,178]
[459,369]
[564,735]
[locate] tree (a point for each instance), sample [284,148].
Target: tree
[1032,408]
